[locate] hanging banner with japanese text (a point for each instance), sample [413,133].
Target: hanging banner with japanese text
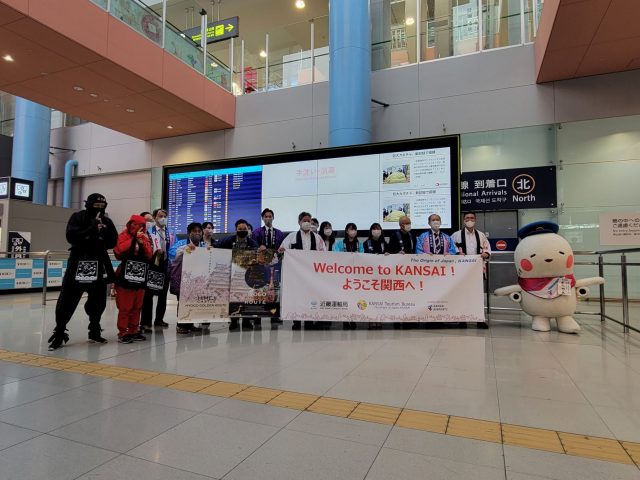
[204,288]
[359,287]
[508,189]
[255,284]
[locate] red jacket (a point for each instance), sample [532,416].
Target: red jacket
[125,239]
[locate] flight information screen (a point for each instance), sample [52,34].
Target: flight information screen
[361,184]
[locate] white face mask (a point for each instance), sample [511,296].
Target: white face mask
[314,228]
[470,223]
[150,225]
[305,226]
[375,234]
[435,225]
[162,221]
[208,232]
[327,232]
[406,227]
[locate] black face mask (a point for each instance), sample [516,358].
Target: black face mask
[242,233]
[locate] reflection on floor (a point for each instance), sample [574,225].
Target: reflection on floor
[65,425]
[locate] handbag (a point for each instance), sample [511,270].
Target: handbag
[132,273]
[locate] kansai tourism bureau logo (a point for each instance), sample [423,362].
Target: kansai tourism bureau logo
[362,305]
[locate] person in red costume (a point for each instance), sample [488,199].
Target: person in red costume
[134,251]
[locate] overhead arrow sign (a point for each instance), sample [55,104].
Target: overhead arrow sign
[216,31]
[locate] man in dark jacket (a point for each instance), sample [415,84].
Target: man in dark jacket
[240,241]
[91,233]
[403,241]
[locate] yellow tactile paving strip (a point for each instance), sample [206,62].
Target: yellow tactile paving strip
[606,449]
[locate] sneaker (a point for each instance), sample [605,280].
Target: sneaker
[138,337]
[146,329]
[125,339]
[161,324]
[97,338]
[57,340]
[195,329]
[182,330]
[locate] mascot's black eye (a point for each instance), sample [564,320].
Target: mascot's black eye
[561,253]
[532,255]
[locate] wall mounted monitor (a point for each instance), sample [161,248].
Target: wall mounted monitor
[362,184]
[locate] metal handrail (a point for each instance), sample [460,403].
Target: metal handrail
[623,264]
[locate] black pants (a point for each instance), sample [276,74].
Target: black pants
[70,297]
[161,307]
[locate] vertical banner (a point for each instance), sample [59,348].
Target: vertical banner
[19,244]
[255,283]
[204,288]
[358,287]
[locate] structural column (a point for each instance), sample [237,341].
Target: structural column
[30,160]
[349,72]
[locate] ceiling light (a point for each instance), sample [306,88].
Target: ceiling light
[7,58]
[263,54]
[300,4]
[409,21]
[170,127]
[78,88]
[214,64]
[94,95]
[130,110]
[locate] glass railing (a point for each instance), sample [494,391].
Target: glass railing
[146,17]
[298,54]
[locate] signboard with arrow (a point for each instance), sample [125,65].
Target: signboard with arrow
[216,31]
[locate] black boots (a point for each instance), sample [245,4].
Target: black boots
[57,339]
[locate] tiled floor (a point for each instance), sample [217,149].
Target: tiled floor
[63,425]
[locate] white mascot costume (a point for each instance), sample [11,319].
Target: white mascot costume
[546,286]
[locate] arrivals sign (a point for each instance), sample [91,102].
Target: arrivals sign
[510,189]
[358,287]
[216,31]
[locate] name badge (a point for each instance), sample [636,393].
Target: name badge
[564,287]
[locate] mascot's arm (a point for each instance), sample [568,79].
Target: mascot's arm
[585,282]
[507,290]
[514,292]
[581,285]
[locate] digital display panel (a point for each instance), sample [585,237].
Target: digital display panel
[364,184]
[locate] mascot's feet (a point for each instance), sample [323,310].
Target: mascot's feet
[542,324]
[567,325]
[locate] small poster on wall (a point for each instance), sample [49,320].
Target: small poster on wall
[622,228]
[19,244]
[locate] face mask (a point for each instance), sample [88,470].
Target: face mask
[208,232]
[314,228]
[327,232]
[305,226]
[435,225]
[352,233]
[375,234]
[162,221]
[268,222]
[407,227]
[150,225]
[470,224]
[242,233]
[195,239]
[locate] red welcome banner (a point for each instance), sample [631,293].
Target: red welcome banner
[359,287]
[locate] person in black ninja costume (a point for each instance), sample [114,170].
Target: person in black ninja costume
[91,233]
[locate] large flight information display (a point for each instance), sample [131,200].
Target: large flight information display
[218,196]
[364,186]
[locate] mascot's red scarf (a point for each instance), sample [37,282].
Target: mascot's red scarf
[536,284]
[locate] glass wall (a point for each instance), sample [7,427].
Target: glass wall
[597,165]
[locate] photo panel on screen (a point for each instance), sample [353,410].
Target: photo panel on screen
[287,209]
[417,205]
[290,179]
[359,173]
[360,208]
[416,169]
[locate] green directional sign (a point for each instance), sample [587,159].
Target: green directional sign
[216,31]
